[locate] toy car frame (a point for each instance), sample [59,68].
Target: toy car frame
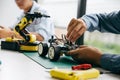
[56,48]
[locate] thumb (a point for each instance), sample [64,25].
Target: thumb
[83,46]
[78,50]
[73,52]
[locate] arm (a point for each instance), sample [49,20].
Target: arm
[88,54]
[7,32]
[111,62]
[43,27]
[103,22]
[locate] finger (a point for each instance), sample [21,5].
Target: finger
[83,46]
[1,29]
[77,30]
[76,33]
[81,49]
[71,22]
[74,52]
[74,30]
[72,27]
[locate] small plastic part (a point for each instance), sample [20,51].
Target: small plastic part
[82,67]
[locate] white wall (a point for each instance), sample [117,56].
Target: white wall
[61,10]
[100,6]
[8,12]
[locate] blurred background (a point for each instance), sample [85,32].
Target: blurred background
[62,11]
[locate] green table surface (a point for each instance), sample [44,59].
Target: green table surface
[63,62]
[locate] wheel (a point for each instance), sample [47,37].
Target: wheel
[54,53]
[42,49]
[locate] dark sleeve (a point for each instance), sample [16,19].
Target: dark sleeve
[103,22]
[111,62]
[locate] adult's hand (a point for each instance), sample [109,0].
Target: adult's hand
[75,29]
[86,54]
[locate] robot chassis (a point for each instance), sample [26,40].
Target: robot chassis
[56,48]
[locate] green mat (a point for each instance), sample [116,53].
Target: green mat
[63,62]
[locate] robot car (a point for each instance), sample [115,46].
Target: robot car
[56,48]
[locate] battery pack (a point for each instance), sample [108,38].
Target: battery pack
[10,45]
[19,46]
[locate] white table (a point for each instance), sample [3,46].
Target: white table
[16,66]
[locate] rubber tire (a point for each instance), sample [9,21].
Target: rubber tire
[44,49]
[55,53]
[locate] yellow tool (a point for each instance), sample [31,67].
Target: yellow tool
[28,43]
[74,74]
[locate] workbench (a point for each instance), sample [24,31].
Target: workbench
[16,66]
